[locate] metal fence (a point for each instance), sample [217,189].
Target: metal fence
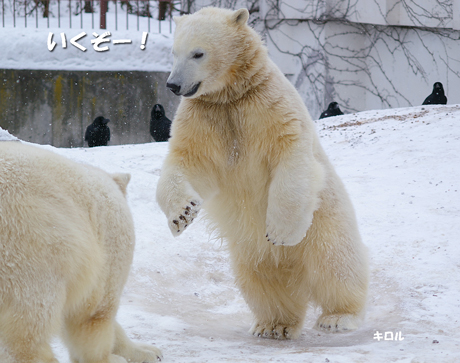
[99,13]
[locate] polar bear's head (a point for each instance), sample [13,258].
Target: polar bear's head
[206,46]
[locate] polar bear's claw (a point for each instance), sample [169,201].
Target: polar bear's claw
[270,331]
[186,216]
[276,241]
[337,322]
[283,236]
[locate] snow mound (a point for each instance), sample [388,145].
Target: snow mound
[6,136]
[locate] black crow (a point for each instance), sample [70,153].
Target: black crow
[159,124]
[437,97]
[332,110]
[98,133]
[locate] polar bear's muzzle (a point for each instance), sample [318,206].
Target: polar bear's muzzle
[193,90]
[176,89]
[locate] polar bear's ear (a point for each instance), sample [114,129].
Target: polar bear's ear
[122,179]
[240,17]
[178,19]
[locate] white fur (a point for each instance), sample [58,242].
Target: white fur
[66,246]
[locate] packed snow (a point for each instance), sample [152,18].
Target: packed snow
[401,168]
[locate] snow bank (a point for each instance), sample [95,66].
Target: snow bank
[6,136]
[27,47]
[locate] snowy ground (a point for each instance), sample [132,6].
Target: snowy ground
[401,168]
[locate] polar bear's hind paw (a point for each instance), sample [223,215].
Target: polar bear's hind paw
[276,331]
[337,323]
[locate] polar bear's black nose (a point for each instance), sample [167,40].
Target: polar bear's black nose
[174,88]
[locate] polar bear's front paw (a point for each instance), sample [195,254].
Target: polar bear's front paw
[184,217]
[285,236]
[286,230]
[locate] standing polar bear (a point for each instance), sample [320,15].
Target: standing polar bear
[66,246]
[244,148]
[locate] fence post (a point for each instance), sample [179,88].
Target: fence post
[162,6]
[103,14]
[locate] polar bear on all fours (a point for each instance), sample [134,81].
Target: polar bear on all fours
[66,246]
[245,149]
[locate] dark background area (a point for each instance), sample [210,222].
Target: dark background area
[55,107]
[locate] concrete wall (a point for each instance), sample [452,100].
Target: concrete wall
[55,107]
[419,13]
[363,54]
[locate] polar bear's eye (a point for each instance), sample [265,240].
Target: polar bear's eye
[197,55]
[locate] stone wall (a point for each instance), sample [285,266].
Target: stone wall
[55,107]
